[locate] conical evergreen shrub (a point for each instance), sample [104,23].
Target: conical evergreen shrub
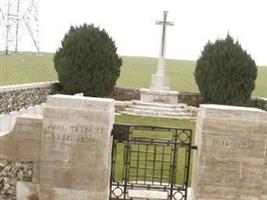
[225,73]
[87,61]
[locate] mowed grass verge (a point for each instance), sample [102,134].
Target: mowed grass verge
[150,162]
[135,72]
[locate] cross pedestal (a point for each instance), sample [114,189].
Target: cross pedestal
[160,84]
[160,81]
[159,96]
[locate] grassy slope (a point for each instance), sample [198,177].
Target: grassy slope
[25,68]
[135,73]
[179,71]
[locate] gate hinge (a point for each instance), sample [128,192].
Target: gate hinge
[120,132]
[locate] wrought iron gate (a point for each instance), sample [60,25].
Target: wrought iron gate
[150,162]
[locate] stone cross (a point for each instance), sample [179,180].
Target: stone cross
[164,23]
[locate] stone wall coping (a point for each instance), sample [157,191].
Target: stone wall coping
[225,107]
[80,102]
[9,88]
[31,116]
[256,97]
[262,98]
[21,110]
[73,97]
[125,88]
[169,92]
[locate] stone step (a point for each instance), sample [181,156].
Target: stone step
[158,109]
[162,105]
[158,116]
[151,112]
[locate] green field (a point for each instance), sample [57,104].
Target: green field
[26,68]
[135,73]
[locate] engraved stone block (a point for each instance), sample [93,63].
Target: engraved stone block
[231,158]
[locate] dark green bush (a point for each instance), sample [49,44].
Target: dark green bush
[225,73]
[87,61]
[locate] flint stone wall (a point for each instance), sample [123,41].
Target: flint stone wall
[195,99]
[17,97]
[258,102]
[10,173]
[19,153]
[190,98]
[125,94]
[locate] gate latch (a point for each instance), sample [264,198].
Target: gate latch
[194,147]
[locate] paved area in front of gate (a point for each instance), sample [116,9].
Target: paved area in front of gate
[152,195]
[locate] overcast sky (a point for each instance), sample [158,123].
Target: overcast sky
[131,23]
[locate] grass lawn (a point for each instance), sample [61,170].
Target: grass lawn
[151,163]
[135,72]
[127,119]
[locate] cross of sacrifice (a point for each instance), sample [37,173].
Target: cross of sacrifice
[164,23]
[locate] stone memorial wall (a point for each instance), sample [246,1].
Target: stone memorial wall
[65,154]
[68,148]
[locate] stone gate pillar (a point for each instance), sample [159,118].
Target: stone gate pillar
[76,148]
[230,163]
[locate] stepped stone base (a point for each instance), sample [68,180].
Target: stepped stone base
[159,96]
[159,110]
